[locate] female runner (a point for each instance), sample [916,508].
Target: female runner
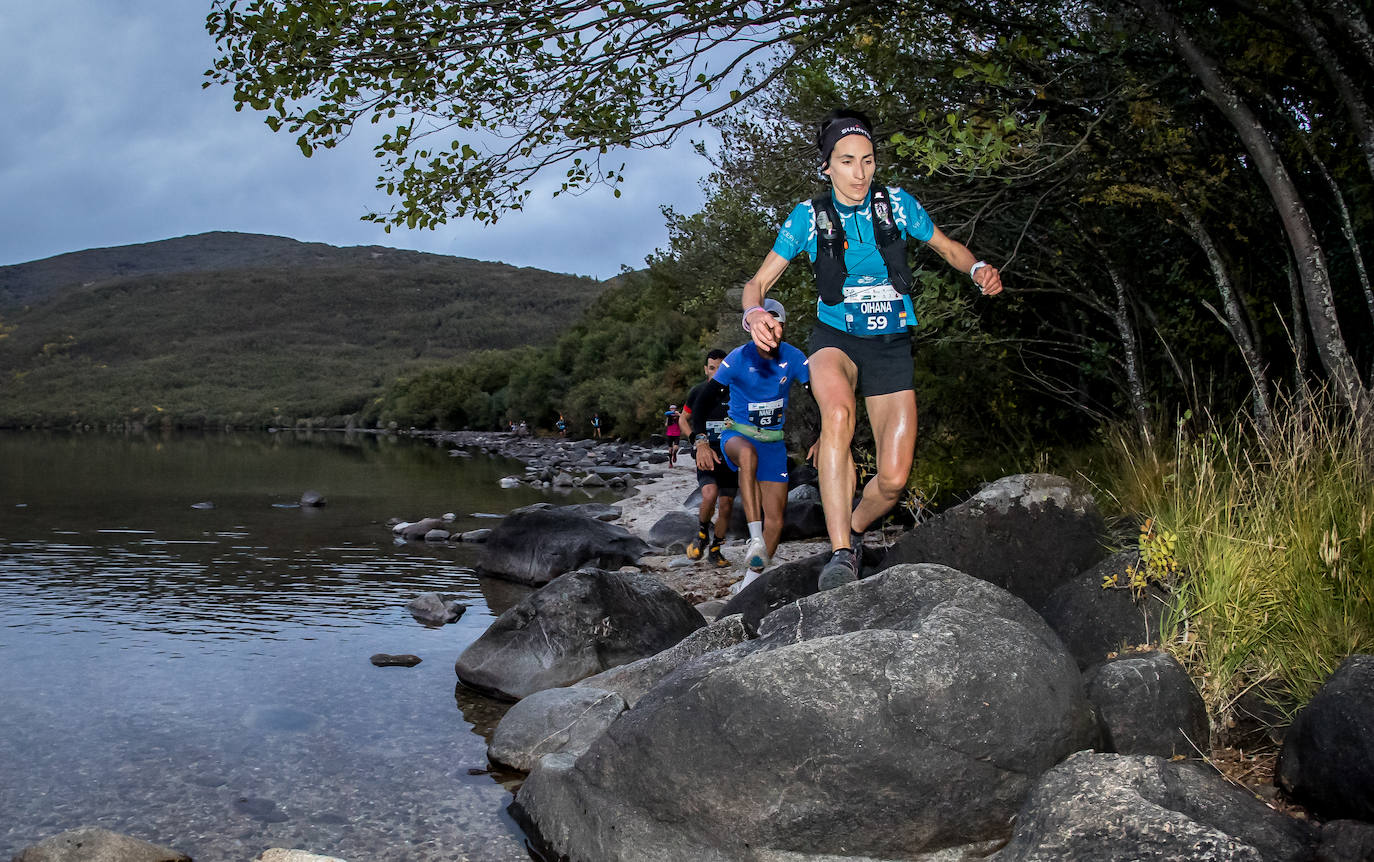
[861,345]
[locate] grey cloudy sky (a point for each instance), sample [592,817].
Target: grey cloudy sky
[109,139]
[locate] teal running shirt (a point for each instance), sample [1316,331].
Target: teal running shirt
[871,306]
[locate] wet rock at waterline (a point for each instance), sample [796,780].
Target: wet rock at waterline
[93,844]
[1027,534]
[278,854]
[551,721]
[534,547]
[1112,808]
[383,659]
[416,530]
[632,681]
[433,609]
[831,734]
[579,624]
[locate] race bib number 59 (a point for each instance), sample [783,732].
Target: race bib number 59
[875,310]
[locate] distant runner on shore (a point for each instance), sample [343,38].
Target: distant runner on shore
[718,482]
[672,432]
[760,382]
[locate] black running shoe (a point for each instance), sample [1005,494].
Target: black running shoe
[842,569]
[697,549]
[717,559]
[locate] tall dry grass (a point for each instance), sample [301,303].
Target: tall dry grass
[1275,582]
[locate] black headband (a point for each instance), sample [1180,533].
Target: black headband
[841,128]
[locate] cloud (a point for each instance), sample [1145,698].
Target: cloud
[111,140]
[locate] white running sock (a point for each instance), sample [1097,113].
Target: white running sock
[756,530]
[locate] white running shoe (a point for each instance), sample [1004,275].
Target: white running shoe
[756,555]
[750,575]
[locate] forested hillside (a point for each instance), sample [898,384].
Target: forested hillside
[245,330]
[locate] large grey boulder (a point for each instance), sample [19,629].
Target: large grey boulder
[1093,621]
[1027,534]
[551,721]
[632,681]
[1327,759]
[93,844]
[579,624]
[785,583]
[534,547]
[879,742]
[1119,808]
[674,528]
[1147,704]
[803,519]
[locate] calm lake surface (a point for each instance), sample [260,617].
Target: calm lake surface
[199,677]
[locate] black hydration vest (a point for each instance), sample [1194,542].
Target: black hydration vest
[830,246]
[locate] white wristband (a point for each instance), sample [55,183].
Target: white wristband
[973,270]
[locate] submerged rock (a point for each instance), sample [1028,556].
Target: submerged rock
[93,844]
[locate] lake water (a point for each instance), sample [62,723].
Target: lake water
[199,677]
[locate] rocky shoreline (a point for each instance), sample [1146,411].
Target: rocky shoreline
[654,490]
[977,694]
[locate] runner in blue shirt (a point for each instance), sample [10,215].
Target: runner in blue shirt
[760,384]
[856,236]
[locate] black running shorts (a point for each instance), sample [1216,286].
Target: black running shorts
[721,476]
[884,361]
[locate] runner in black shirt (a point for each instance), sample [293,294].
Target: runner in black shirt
[719,484]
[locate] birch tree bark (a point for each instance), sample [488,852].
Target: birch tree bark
[1135,383]
[1313,273]
[1235,319]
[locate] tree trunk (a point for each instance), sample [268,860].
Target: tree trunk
[1235,319]
[1135,383]
[1307,250]
[1360,114]
[1347,18]
[1298,335]
[1347,223]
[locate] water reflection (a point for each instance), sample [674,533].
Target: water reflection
[200,677]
